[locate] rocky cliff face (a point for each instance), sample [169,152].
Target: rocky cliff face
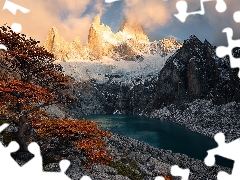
[97,46]
[195,72]
[113,97]
[165,46]
[192,72]
[129,43]
[62,49]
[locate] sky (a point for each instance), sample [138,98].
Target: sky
[74,17]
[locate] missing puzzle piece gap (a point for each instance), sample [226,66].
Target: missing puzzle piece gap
[227,150]
[3,47]
[111,1]
[176,171]
[236,16]
[182,9]
[159,178]
[12,7]
[222,51]
[4,125]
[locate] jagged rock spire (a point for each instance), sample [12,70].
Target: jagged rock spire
[133,28]
[96,21]
[128,43]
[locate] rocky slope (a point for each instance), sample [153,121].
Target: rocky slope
[132,160]
[113,97]
[195,72]
[204,117]
[198,90]
[129,43]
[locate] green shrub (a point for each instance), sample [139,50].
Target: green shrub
[127,167]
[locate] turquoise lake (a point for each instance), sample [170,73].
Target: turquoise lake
[160,134]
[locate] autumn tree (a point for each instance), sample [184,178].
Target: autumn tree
[40,83]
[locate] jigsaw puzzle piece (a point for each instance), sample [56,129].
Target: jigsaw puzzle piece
[35,166]
[222,51]
[12,7]
[176,171]
[159,178]
[110,1]
[3,47]
[221,6]
[4,125]
[86,178]
[236,16]
[11,169]
[64,164]
[182,9]
[227,150]
[36,162]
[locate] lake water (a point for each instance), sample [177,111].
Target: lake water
[160,134]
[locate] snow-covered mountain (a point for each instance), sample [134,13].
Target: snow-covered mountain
[196,72]
[154,81]
[125,73]
[120,56]
[118,71]
[129,43]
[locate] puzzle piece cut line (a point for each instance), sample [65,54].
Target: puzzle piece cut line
[227,150]
[182,9]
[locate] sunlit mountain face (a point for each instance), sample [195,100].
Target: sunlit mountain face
[129,43]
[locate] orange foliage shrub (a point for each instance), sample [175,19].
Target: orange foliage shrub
[41,83]
[90,136]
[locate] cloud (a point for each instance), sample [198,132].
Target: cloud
[148,13]
[68,16]
[153,14]
[100,6]
[219,21]
[73,18]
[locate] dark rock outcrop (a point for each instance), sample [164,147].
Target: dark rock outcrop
[114,97]
[195,72]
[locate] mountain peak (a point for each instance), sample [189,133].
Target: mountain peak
[194,38]
[134,29]
[54,29]
[51,39]
[128,43]
[96,20]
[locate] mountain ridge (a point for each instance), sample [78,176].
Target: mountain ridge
[129,43]
[195,72]
[192,72]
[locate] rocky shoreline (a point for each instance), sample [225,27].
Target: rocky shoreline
[204,117]
[135,160]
